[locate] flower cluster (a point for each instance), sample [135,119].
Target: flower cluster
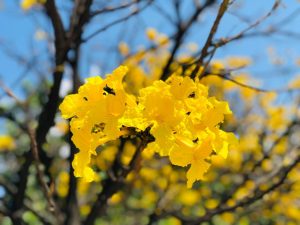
[182,118]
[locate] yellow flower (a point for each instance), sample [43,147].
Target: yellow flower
[158,103]
[6,142]
[151,33]
[85,209]
[188,153]
[157,108]
[181,88]
[129,150]
[123,48]
[63,184]
[116,198]
[182,118]
[106,156]
[81,166]
[211,203]
[94,112]
[189,197]
[221,141]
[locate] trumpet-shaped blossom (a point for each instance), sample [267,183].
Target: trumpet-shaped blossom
[179,114]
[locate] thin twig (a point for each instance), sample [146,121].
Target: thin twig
[224,41]
[182,29]
[213,30]
[120,20]
[41,176]
[10,93]
[110,9]
[227,76]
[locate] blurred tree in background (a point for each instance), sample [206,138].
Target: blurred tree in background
[167,118]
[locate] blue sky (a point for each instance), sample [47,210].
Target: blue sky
[18,30]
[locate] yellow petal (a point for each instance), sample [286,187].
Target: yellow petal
[196,172]
[70,105]
[181,157]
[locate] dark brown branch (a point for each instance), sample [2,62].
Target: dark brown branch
[72,209]
[59,31]
[46,118]
[243,34]
[79,17]
[209,39]
[180,34]
[223,41]
[12,190]
[18,199]
[41,176]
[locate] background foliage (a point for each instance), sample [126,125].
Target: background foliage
[246,52]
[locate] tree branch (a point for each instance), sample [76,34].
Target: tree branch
[209,39]
[181,32]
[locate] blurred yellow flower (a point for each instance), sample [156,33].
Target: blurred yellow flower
[6,143]
[62,184]
[151,33]
[123,48]
[27,4]
[237,62]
